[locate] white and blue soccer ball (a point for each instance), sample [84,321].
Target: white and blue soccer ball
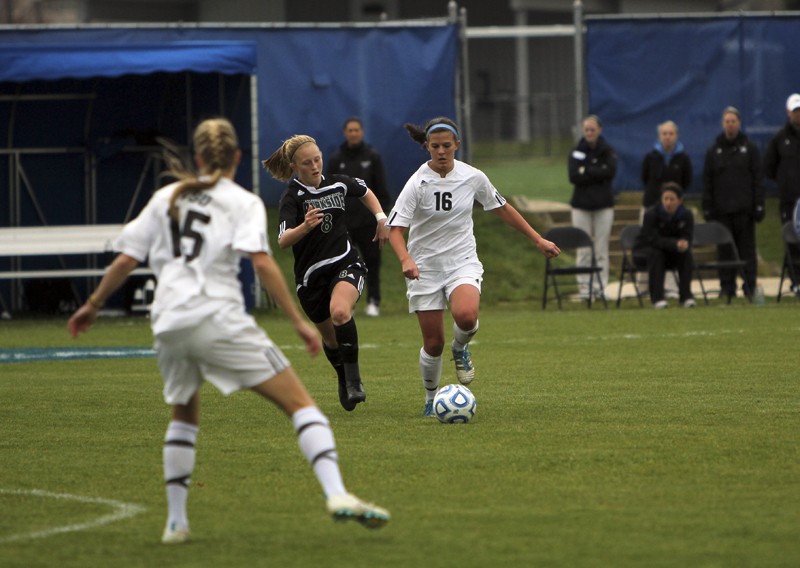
[454,404]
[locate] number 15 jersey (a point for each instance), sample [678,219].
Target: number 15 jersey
[438,213]
[196,259]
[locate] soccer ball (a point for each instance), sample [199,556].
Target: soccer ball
[454,404]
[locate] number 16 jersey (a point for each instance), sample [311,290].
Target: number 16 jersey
[438,213]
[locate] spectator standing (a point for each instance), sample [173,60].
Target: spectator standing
[666,162]
[193,233]
[592,166]
[782,164]
[664,243]
[734,195]
[357,159]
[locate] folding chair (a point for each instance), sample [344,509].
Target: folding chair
[717,234]
[570,238]
[627,238]
[791,260]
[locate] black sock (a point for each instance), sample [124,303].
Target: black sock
[334,356]
[347,338]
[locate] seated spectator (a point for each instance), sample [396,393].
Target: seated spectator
[664,243]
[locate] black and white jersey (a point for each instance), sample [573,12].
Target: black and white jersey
[328,244]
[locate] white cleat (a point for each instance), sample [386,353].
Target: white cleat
[349,507]
[173,535]
[465,370]
[373,310]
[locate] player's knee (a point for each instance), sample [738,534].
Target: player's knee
[433,346]
[340,315]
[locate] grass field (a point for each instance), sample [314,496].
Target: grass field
[602,438]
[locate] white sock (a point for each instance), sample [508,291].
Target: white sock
[315,438]
[431,369]
[461,338]
[179,457]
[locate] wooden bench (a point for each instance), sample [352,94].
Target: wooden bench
[58,241]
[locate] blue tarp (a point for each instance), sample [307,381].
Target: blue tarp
[310,79]
[50,62]
[641,72]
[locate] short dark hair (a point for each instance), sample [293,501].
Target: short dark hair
[673,187]
[352,119]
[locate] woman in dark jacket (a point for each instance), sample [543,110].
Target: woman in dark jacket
[592,167]
[665,243]
[667,161]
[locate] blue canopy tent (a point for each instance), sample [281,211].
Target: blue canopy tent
[154,81]
[83,122]
[21,63]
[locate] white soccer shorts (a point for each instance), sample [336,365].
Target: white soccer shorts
[433,289]
[228,349]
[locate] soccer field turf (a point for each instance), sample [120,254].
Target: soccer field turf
[628,437]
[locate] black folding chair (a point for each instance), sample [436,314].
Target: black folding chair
[716,234]
[570,238]
[791,258]
[627,238]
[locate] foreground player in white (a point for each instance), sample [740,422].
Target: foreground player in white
[193,233]
[440,261]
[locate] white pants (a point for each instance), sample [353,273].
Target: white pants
[598,225]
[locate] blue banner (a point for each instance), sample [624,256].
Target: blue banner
[642,72]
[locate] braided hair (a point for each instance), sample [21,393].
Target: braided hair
[215,142]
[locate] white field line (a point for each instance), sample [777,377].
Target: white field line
[120,511]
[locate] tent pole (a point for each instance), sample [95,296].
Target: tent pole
[578,21]
[465,102]
[254,163]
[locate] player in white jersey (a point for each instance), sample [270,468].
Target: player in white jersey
[440,260]
[193,234]
[329,275]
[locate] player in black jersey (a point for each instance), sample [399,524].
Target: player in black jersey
[329,275]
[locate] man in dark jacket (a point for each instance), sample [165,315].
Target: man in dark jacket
[665,243]
[782,164]
[734,195]
[356,158]
[782,159]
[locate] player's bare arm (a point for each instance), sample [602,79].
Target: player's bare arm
[289,237]
[114,277]
[398,242]
[512,218]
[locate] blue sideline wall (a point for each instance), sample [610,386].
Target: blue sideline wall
[643,71]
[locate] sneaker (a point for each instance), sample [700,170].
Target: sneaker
[428,411]
[174,535]
[348,507]
[344,400]
[373,310]
[465,370]
[690,303]
[660,305]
